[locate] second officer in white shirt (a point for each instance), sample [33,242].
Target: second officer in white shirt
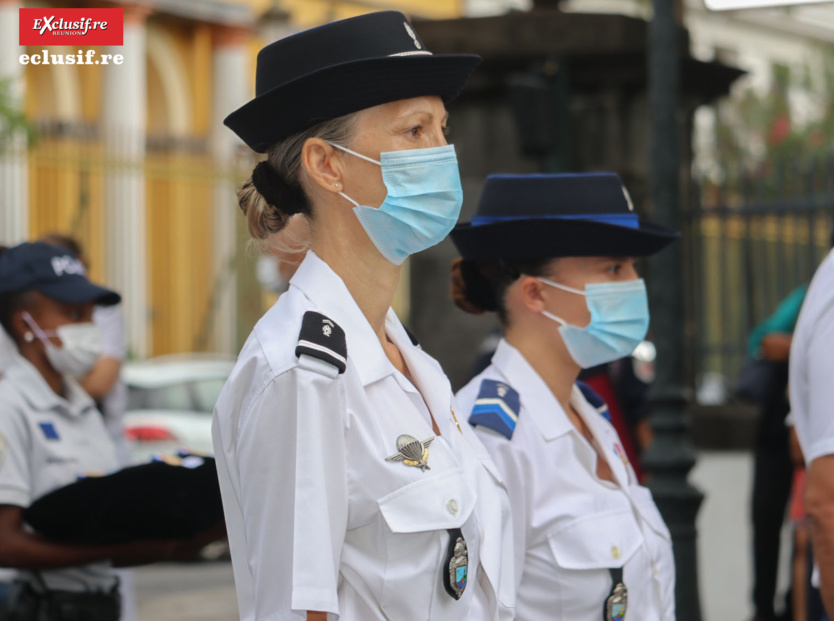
[553,256]
[352,487]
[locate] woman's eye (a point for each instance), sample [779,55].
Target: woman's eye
[415,131]
[447,130]
[615,269]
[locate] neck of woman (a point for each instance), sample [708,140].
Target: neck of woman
[553,364]
[45,368]
[369,277]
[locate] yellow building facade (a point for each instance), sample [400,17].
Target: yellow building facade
[135,163]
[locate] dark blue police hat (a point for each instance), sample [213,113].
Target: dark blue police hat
[52,271]
[339,68]
[524,217]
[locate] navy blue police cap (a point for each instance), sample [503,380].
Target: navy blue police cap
[52,271]
[340,68]
[527,217]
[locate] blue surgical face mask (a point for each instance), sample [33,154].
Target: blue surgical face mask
[619,321]
[423,202]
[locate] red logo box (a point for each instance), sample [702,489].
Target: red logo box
[71,27]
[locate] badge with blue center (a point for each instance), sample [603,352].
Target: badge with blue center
[456,567]
[616,603]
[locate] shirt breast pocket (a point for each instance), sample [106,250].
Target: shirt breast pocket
[418,517]
[585,551]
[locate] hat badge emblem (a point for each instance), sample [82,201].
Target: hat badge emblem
[628,199]
[327,327]
[502,390]
[413,35]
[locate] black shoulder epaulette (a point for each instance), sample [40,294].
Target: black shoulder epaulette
[411,336]
[321,338]
[595,400]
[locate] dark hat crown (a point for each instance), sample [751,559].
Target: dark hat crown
[591,196]
[374,35]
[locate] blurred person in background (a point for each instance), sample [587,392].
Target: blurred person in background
[773,474]
[283,254]
[8,351]
[104,384]
[51,433]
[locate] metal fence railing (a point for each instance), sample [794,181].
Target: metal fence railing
[751,240]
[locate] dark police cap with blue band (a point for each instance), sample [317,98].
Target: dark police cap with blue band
[52,271]
[525,217]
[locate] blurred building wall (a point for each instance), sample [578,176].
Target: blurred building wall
[134,161]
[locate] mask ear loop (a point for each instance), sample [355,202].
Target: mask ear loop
[360,156]
[550,315]
[41,334]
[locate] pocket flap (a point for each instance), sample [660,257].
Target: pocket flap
[441,502]
[596,542]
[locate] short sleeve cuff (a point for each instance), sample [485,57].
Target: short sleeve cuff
[820,448]
[318,600]
[14,496]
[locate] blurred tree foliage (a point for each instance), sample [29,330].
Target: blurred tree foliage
[12,120]
[790,126]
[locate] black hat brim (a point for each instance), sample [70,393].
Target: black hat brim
[78,291]
[544,238]
[346,88]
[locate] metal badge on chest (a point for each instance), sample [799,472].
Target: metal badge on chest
[616,603]
[456,567]
[412,452]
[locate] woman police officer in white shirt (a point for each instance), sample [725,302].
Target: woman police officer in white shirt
[51,433]
[553,256]
[351,486]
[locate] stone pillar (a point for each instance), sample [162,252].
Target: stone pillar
[14,178]
[230,90]
[123,122]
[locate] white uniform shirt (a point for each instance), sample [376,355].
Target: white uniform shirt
[570,527]
[8,351]
[317,518]
[46,442]
[812,366]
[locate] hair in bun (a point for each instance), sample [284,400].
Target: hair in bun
[479,287]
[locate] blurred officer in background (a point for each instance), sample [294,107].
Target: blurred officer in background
[51,433]
[553,256]
[104,384]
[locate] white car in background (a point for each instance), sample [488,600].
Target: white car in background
[170,403]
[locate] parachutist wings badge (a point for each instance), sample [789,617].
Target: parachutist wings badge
[412,452]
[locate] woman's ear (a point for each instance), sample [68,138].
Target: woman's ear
[323,165]
[531,292]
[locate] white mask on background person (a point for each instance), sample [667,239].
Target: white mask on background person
[80,346]
[268,271]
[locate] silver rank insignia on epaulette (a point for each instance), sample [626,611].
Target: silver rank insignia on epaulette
[412,452]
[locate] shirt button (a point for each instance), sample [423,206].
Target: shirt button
[615,552]
[453,506]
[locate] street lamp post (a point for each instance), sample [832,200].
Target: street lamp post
[670,458]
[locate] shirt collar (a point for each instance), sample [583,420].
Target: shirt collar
[317,280]
[31,385]
[538,401]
